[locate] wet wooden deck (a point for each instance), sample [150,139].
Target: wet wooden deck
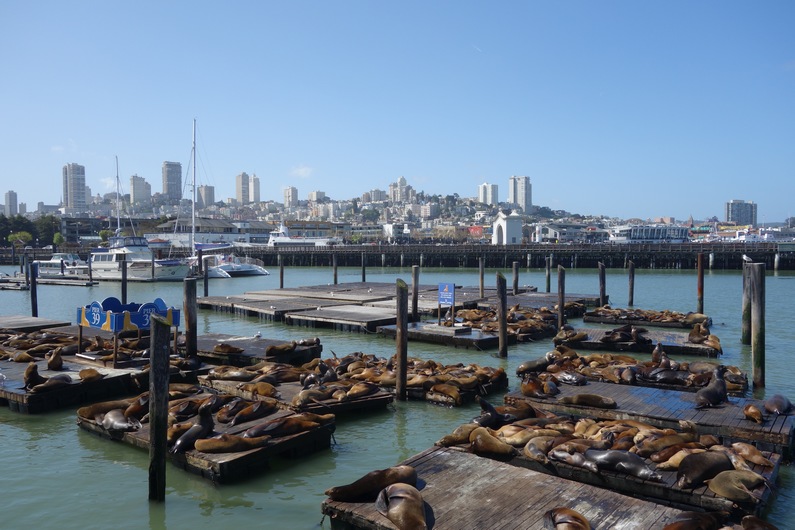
[26,324]
[463,490]
[665,408]
[254,350]
[673,342]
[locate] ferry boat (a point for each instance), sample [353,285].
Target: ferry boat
[62,265]
[142,265]
[281,238]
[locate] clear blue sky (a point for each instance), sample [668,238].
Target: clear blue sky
[622,108]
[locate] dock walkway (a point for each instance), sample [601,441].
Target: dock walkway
[463,490]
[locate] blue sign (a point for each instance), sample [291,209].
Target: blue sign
[447,293]
[112,315]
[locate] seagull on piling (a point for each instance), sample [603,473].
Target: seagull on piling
[747,259]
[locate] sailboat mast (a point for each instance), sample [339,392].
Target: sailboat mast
[118,192]
[193,202]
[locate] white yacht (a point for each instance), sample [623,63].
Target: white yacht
[141,263]
[235,266]
[62,265]
[281,238]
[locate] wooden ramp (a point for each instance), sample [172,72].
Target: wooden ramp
[673,342]
[665,408]
[462,490]
[254,350]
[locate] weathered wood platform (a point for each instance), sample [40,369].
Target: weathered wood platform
[355,318]
[587,318]
[116,382]
[665,408]
[536,300]
[229,467]
[254,350]
[457,336]
[462,490]
[673,342]
[26,324]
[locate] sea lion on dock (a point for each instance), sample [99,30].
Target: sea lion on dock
[590,400]
[482,442]
[752,522]
[275,349]
[54,360]
[56,381]
[284,426]
[370,485]
[459,436]
[260,388]
[227,348]
[258,409]
[229,443]
[778,404]
[753,413]
[562,518]
[228,411]
[697,468]
[201,429]
[114,421]
[32,377]
[736,485]
[697,521]
[622,462]
[402,504]
[751,454]
[715,392]
[573,459]
[89,375]
[90,412]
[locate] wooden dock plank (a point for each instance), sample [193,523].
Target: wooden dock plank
[26,324]
[493,494]
[674,342]
[254,350]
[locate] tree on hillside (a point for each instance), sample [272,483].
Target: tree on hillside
[20,238]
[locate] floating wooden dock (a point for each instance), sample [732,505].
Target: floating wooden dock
[463,490]
[229,467]
[26,324]
[254,350]
[457,336]
[665,408]
[673,342]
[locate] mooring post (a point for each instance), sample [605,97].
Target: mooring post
[401,339]
[482,268]
[700,287]
[561,297]
[364,267]
[189,305]
[745,334]
[200,261]
[281,270]
[502,314]
[206,278]
[602,285]
[515,278]
[158,407]
[123,265]
[23,267]
[415,291]
[90,270]
[758,323]
[631,300]
[548,261]
[34,297]
[153,267]
[334,266]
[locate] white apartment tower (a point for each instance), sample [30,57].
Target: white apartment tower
[487,194]
[520,193]
[11,203]
[74,187]
[140,190]
[205,196]
[172,181]
[291,197]
[242,189]
[253,189]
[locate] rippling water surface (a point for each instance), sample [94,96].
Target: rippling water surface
[57,474]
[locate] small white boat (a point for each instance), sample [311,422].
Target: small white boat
[134,253]
[281,238]
[235,266]
[62,265]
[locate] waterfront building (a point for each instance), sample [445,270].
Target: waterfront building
[741,212]
[507,229]
[74,188]
[520,193]
[649,234]
[290,197]
[172,181]
[488,194]
[140,191]
[242,189]
[205,196]
[10,207]
[560,232]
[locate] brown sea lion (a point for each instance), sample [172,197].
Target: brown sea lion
[622,462]
[752,522]
[778,404]
[697,521]
[258,409]
[753,413]
[715,392]
[32,377]
[696,468]
[450,391]
[675,459]
[362,389]
[573,459]
[664,454]
[226,348]
[261,388]
[176,430]
[54,360]
[751,454]
[590,400]
[649,446]
[90,412]
[459,436]
[402,504]
[229,443]
[482,442]
[562,518]
[274,349]
[370,485]
[736,485]
[284,426]
[228,411]
[89,375]
[56,381]
[201,429]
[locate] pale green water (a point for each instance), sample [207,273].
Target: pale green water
[57,475]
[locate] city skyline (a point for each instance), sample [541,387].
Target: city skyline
[625,110]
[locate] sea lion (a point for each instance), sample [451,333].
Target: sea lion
[284,426]
[736,485]
[590,400]
[534,365]
[32,377]
[56,381]
[778,404]
[482,442]
[715,392]
[751,454]
[201,429]
[229,443]
[649,446]
[490,416]
[258,409]
[114,421]
[753,413]
[451,391]
[90,412]
[402,504]
[622,462]
[370,485]
[176,430]
[228,411]
[696,468]
[459,436]
[226,348]
[274,349]
[54,360]
[675,459]
[362,389]
[752,522]
[573,459]
[697,521]
[565,519]
[665,454]
[89,375]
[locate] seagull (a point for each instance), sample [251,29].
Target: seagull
[747,259]
[257,335]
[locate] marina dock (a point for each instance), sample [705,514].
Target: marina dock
[254,350]
[463,490]
[673,342]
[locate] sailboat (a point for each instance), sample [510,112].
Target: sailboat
[134,254]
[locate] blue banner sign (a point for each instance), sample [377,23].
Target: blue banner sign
[112,315]
[447,293]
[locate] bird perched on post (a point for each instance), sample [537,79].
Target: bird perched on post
[747,259]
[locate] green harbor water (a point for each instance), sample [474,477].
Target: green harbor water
[57,475]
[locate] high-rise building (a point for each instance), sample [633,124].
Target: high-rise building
[290,197]
[316,196]
[11,203]
[520,193]
[487,194]
[253,189]
[205,196]
[140,191]
[74,187]
[242,189]
[741,212]
[172,181]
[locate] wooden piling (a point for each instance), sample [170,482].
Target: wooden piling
[561,297]
[631,300]
[90,270]
[364,266]
[602,285]
[745,334]
[548,261]
[281,271]
[206,278]
[200,261]
[415,292]
[757,277]
[515,278]
[34,297]
[334,266]
[502,314]
[482,269]
[401,339]
[190,309]
[123,265]
[700,287]
[158,408]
